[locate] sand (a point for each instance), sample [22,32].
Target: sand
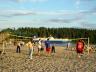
[62,61]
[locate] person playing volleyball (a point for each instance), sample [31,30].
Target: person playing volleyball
[80,47]
[47,45]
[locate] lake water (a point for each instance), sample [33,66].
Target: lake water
[62,43]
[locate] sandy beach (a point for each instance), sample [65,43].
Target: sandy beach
[62,61]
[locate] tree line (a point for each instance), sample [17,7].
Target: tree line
[55,32]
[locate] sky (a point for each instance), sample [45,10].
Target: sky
[48,13]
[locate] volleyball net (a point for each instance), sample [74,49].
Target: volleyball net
[22,38]
[86,40]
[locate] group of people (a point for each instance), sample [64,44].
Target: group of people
[31,46]
[50,49]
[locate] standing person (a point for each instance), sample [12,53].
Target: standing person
[53,48]
[30,46]
[18,48]
[68,45]
[47,45]
[80,47]
[39,46]
[42,46]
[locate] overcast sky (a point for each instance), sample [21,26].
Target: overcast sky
[48,13]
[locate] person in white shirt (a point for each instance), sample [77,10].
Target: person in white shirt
[39,46]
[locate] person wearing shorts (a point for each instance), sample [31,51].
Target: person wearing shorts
[80,47]
[53,48]
[47,45]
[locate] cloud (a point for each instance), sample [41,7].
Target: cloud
[20,1]
[3,20]
[12,13]
[70,20]
[8,0]
[88,25]
[23,14]
[63,13]
[31,0]
[79,1]
[87,12]
[77,4]
[60,20]
[87,0]
[38,0]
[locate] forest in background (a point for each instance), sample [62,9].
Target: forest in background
[55,32]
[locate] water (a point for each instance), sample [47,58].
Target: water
[62,43]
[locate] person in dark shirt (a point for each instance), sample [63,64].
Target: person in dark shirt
[47,45]
[53,49]
[18,50]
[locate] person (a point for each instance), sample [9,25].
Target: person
[80,47]
[18,50]
[42,46]
[68,45]
[89,49]
[47,45]
[30,46]
[53,49]
[39,46]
